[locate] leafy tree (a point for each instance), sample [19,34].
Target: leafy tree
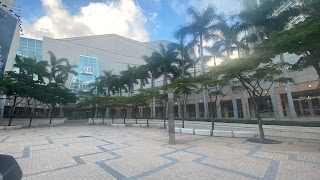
[201,28]
[136,101]
[14,85]
[54,94]
[263,19]
[184,87]
[106,102]
[252,71]
[302,40]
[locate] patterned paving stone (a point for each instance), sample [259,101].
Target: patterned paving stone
[102,152]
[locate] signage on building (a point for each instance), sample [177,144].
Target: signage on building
[7,29]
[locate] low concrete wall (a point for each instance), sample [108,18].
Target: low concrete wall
[35,121]
[269,130]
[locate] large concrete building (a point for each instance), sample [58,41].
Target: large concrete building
[95,54]
[9,39]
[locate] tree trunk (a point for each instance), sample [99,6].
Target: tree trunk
[12,109]
[112,116]
[212,120]
[93,113]
[205,98]
[103,116]
[261,132]
[136,111]
[184,109]
[32,112]
[51,114]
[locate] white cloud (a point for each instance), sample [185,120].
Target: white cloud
[178,7]
[123,17]
[153,17]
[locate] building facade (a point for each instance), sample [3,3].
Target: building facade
[95,54]
[9,40]
[30,48]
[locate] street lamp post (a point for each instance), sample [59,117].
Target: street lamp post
[172,140]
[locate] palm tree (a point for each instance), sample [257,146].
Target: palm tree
[183,49]
[165,58]
[64,71]
[107,79]
[59,69]
[202,27]
[142,74]
[130,78]
[97,86]
[153,68]
[118,85]
[215,51]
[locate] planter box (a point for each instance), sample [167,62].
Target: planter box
[202,132]
[136,125]
[177,130]
[121,125]
[219,133]
[159,125]
[243,134]
[187,131]
[9,127]
[114,125]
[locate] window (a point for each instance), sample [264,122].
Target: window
[87,70]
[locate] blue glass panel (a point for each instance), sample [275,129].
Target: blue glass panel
[88,70]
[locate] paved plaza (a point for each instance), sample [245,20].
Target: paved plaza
[102,152]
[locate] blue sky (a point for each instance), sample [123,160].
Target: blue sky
[142,20]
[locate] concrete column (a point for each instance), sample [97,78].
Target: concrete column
[197,107]
[300,107]
[279,106]
[127,113]
[218,105]
[252,110]
[179,109]
[107,112]
[171,117]
[153,108]
[244,108]
[205,104]
[310,107]
[226,112]
[2,104]
[234,106]
[61,111]
[141,112]
[247,106]
[274,102]
[292,111]
[286,106]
